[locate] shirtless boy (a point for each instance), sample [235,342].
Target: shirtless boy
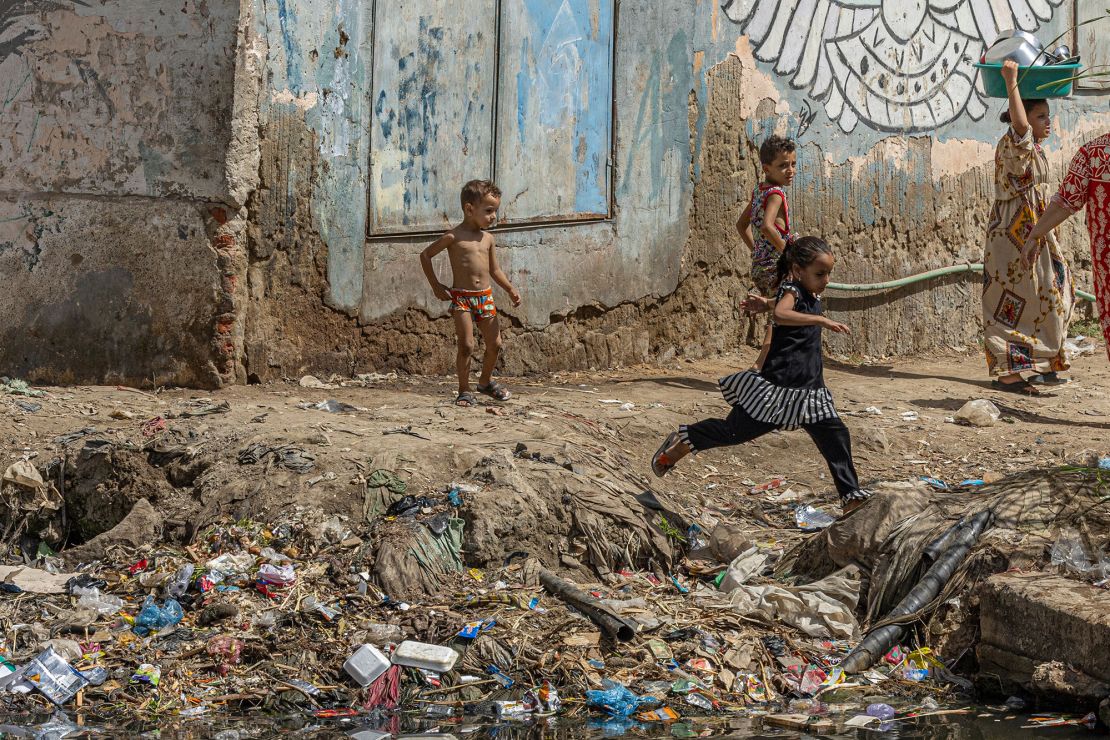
[473,265]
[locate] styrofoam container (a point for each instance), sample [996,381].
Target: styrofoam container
[366,665]
[370,735]
[438,658]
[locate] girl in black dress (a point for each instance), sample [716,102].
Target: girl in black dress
[790,391]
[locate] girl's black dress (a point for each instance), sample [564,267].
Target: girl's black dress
[788,394]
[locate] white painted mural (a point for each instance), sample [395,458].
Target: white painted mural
[892,65]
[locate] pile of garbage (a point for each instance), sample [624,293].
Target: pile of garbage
[288,616]
[284,617]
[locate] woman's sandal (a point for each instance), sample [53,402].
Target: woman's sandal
[466,399]
[495,390]
[660,463]
[1048,379]
[1022,387]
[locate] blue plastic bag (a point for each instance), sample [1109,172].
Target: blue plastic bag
[617,699]
[153,617]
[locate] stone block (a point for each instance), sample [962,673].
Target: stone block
[1045,634]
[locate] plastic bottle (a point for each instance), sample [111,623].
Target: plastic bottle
[366,665]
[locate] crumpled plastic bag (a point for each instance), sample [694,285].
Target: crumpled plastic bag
[824,608]
[979,413]
[617,699]
[1069,554]
[153,618]
[743,567]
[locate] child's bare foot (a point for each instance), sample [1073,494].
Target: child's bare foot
[466,399]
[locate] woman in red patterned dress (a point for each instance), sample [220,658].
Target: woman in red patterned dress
[1087,184]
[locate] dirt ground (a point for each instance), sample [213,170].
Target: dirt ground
[577,429]
[407,516]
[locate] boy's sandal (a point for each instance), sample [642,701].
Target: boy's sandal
[466,399]
[660,463]
[1022,388]
[1048,379]
[495,390]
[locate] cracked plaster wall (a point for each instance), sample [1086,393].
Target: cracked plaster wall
[120,181]
[195,178]
[664,276]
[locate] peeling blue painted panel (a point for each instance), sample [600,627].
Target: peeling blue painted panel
[432,118]
[554,120]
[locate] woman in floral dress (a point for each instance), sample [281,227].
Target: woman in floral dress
[1026,309]
[1087,184]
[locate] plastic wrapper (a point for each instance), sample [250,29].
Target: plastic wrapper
[915,674]
[148,674]
[754,688]
[471,630]
[769,485]
[549,698]
[663,714]
[277,575]
[810,519]
[812,680]
[500,677]
[95,675]
[56,679]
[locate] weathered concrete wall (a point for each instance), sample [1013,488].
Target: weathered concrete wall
[898,179]
[185,192]
[116,139]
[315,126]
